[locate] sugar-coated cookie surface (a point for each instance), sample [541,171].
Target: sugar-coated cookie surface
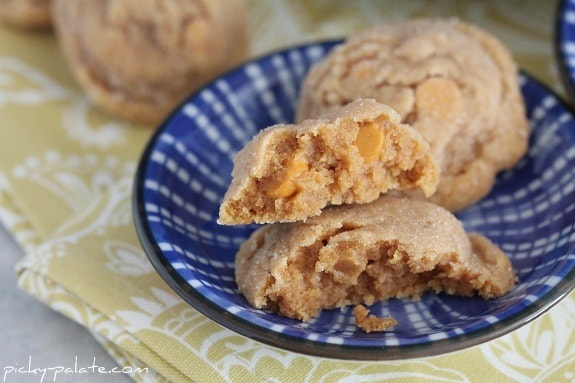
[290,172]
[138,59]
[453,82]
[354,254]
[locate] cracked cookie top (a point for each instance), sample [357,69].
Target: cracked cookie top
[453,82]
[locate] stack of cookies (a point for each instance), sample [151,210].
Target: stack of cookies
[397,129]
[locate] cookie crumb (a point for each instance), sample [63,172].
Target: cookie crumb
[369,323]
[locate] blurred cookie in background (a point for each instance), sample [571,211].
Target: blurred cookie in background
[28,14]
[138,59]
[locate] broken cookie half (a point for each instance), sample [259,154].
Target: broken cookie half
[288,172]
[360,254]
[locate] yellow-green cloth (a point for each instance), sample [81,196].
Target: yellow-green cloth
[66,174]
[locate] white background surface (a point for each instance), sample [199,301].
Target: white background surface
[33,335]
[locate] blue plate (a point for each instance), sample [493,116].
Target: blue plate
[565,44]
[185,171]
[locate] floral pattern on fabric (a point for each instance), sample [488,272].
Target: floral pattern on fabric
[84,259]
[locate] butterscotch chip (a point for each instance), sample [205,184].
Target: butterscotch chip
[371,323]
[359,254]
[453,82]
[287,183]
[139,59]
[369,141]
[438,97]
[290,172]
[28,14]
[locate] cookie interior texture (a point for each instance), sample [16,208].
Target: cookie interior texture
[359,254]
[290,172]
[453,82]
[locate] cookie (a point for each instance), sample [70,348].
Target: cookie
[27,14]
[359,254]
[453,82]
[139,59]
[290,172]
